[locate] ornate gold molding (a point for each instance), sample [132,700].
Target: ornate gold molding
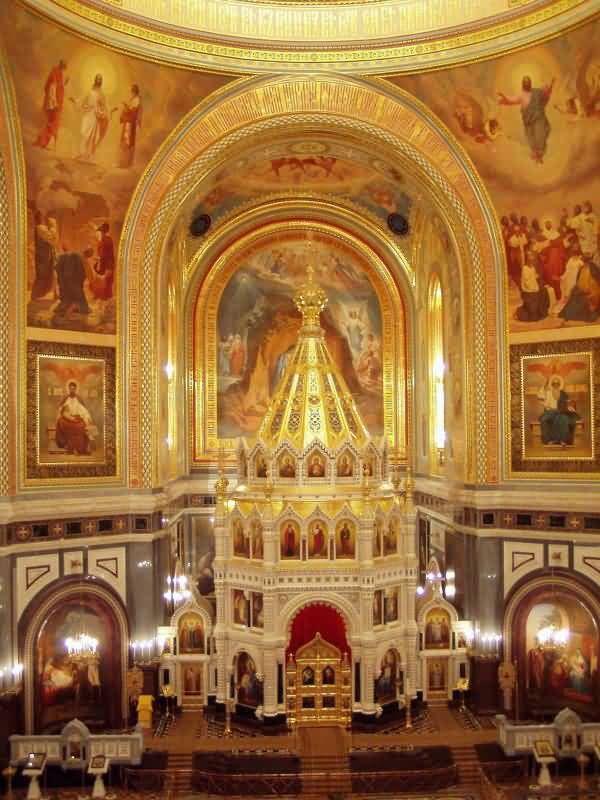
[13,255]
[384,37]
[384,116]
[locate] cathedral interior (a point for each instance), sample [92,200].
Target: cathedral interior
[300,381]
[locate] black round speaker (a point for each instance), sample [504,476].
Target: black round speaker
[200,225]
[398,224]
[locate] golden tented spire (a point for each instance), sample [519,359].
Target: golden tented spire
[312,400]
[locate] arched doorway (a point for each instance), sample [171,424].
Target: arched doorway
[555,672]
[389,678]
[60,685]
[248,683]
[319,685]
[318,668]
[318,618]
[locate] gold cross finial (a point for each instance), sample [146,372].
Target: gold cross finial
[310,299]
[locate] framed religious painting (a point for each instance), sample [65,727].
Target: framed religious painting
[387,682]
[191,634]
[437,629]
[318,539]
[241,609]
[71,427]
[555,408]
[289,539]
[345,539]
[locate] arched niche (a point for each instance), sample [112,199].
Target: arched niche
[551,678]
[313,618]
[248,682]
[57,687]
[381,116]
[244,323]
[388,677]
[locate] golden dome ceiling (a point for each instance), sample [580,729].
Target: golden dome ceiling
[367,36]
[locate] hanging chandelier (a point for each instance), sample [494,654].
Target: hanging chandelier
[177,590]
[82,648]
[552,638]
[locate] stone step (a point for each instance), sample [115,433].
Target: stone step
[467,763]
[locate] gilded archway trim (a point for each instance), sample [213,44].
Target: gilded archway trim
[370,108]
[12,260]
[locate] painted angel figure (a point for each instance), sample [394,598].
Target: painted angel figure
[474,121]
[581,96]
[354,324]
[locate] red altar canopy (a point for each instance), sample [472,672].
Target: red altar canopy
[318,618]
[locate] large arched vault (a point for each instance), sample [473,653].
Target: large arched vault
[441,182]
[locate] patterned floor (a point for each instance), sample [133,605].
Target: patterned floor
[215,729]
[467,720]
[421,723]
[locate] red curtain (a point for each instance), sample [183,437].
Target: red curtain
[318,618]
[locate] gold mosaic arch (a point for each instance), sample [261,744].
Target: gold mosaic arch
[12,257]
[204,299]
[370,108]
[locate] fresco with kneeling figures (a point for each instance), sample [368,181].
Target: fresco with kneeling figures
[569,673]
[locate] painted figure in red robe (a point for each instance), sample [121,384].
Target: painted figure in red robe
[54,96]
[131,120]
[104,268]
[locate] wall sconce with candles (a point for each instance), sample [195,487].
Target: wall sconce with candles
[144,651]
[11,678]
[484,645]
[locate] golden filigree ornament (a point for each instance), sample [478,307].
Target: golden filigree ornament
[222,482]
[310,300]
[409,486]
[221,485]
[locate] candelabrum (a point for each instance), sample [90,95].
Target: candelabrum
[228,707]
[8,775]
[407,706]
[145,651]
[484,645]
[408,717]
